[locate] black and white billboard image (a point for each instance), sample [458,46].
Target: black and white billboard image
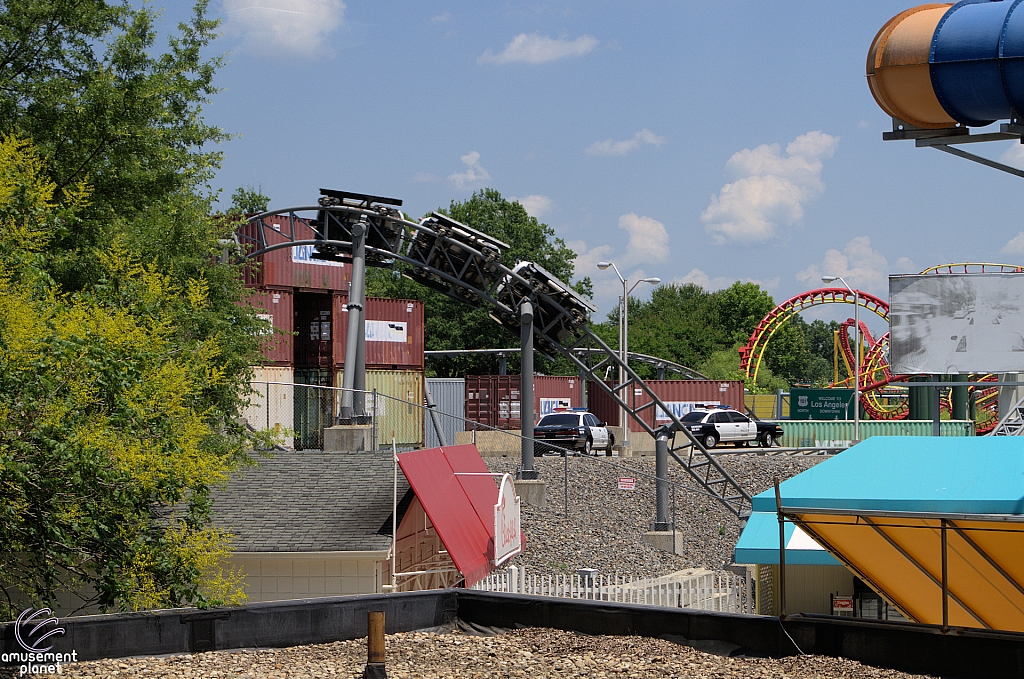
[956,323]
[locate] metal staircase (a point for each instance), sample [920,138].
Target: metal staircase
[465,264]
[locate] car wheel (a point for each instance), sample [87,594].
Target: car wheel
[611,444]
[767,441]
[710,440]
[588,446]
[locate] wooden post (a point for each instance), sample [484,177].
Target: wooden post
[374,645]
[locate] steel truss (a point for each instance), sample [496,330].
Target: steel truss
[466,265]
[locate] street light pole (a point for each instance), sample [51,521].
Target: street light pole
[856,369]
[624,340]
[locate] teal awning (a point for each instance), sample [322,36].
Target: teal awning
[759,544]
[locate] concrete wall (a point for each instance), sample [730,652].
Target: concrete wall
[271,576]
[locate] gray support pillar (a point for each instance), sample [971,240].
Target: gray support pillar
[959,398]
[661,521]
[778,404]
[502,364]
[354,405]
[1007,395]
[661,372]
[583,389]
[434,417]
[936,404]
[526,389]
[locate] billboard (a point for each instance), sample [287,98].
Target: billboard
[956,323]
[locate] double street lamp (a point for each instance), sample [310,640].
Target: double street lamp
[856,368]
[624,337]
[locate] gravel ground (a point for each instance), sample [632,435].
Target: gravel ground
[605,525]
[522,653]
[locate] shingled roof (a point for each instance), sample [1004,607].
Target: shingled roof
[310,502]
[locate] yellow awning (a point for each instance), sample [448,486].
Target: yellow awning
[901,554]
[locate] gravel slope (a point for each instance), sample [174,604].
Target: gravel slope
[604,525]
[522,653]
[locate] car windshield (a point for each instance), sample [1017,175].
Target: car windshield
[694,416]
[559,421]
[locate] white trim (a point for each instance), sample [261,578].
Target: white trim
[380,555]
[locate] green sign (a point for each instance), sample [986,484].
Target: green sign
[821,404]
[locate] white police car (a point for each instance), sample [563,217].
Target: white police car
[715,424]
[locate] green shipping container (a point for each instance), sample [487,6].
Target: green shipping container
[839,433]
[400,415]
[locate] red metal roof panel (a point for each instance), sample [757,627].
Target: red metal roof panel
[456,505]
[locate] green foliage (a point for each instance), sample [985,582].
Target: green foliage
[247,200]
[116,407]
[802,352]
[83,81]
[451,324]
[125,347]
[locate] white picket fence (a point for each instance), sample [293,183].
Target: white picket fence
[704,590]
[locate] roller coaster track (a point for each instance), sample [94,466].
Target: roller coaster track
[466,265]
[752,354]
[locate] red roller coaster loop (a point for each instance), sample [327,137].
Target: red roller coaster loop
[753,352]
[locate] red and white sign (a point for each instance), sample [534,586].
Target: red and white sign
[842,604]
[508,540]
[626,483]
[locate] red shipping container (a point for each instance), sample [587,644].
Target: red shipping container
[494,400]
[294,267]
[277,307]
[679,395]
[394,333]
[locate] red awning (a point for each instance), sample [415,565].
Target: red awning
[460,507]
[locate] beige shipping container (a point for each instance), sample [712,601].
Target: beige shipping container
[399,408]
[271,406]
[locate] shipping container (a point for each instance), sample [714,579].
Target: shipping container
[494,400]
[294,267]
[276,306]
[315,331]
[270,401]
[401,415]
[449,395]
[681,396]
[839,433]
[314,408]
[394,333]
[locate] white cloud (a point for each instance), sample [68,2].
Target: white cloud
[535,205]
[648,239]
[474,174]
[860,265]
[906,265]
[610,147]
[441,18]
[701,278]
[296,27]
[1015,246]
[534,48]
[1014,155]
[769,190]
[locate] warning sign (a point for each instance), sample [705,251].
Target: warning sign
[626,483]
[842,604]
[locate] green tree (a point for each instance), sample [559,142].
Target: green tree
[111,432]
[451,324]
[125,346]
[84,82]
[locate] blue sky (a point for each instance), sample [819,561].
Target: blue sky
[694,141]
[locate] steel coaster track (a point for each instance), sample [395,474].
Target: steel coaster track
[466,265]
